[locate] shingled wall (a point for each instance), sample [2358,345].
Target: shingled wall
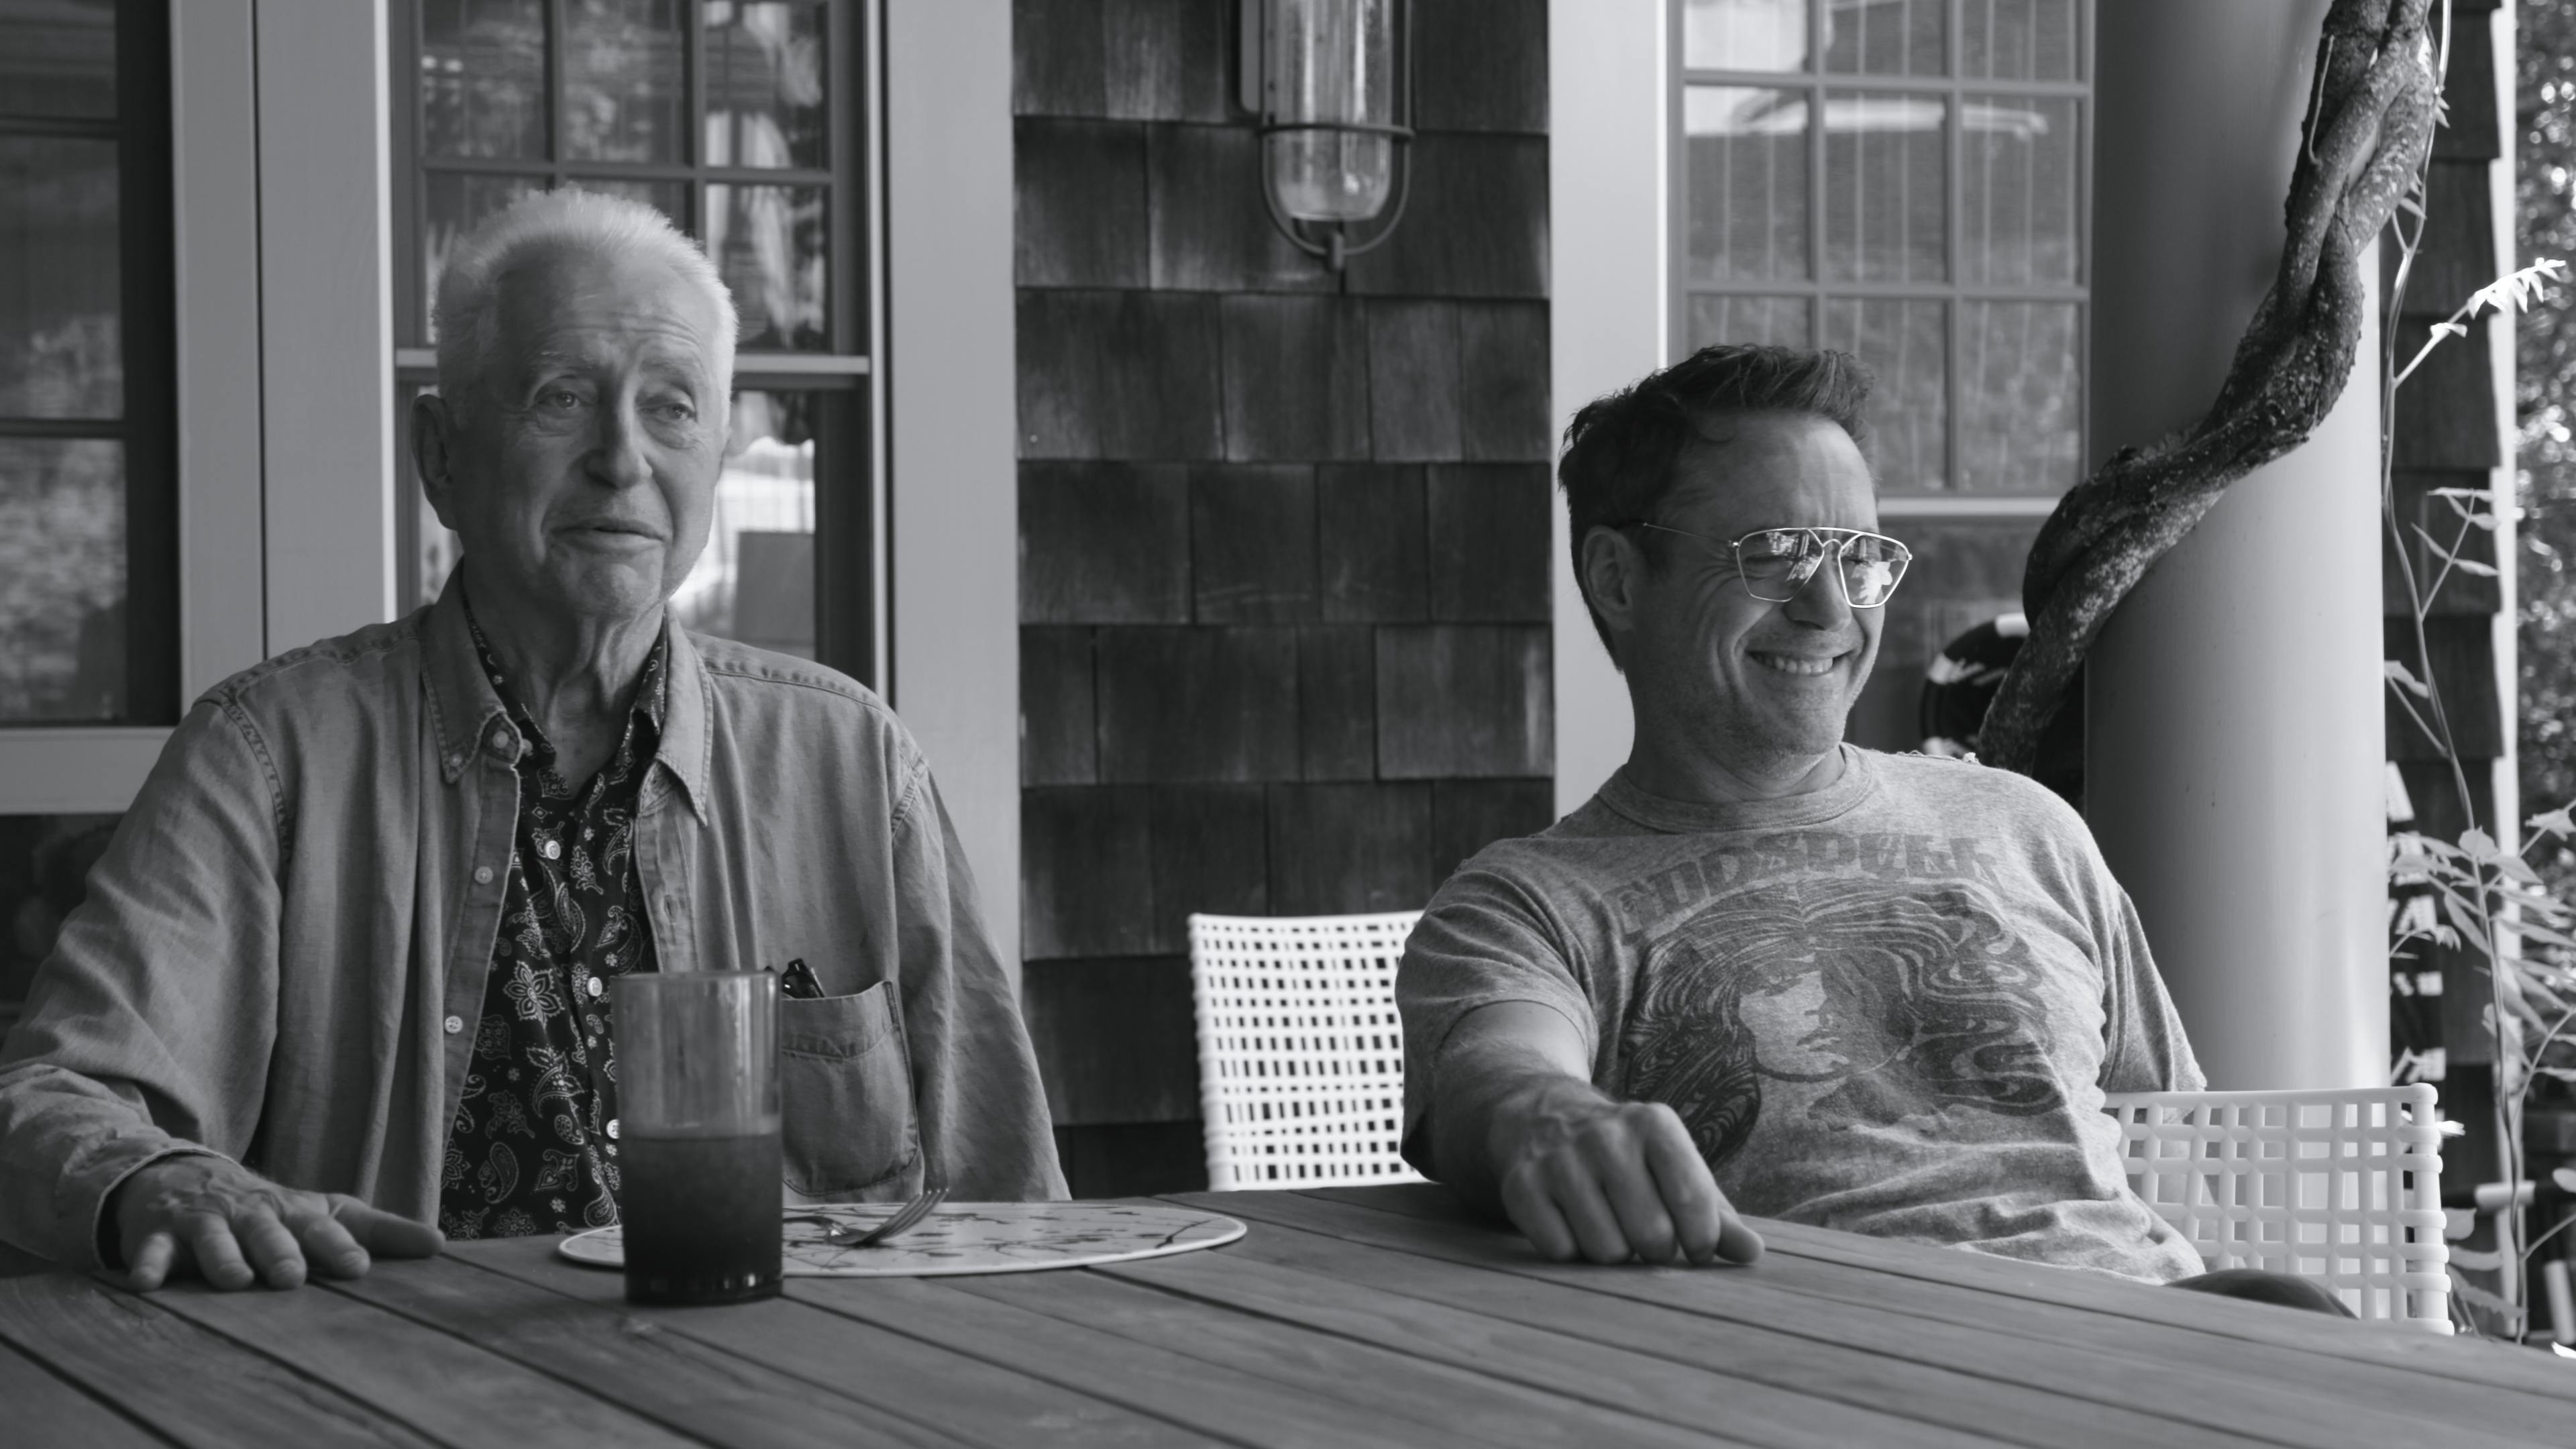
[1284,573]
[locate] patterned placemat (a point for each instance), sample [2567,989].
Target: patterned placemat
[970,1237]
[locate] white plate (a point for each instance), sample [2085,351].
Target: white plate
[970,1237]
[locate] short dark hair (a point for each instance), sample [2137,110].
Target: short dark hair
[1621,451]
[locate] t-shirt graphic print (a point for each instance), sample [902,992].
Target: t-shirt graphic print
[1890,1006]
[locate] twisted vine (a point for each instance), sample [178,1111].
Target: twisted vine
[2370,121]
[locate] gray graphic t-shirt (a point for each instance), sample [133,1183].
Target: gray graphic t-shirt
[1891,1006]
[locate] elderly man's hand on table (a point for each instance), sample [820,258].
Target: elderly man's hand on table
[1518,1126]
[239,1228]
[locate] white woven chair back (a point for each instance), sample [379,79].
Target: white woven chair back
[1301,1058]
[2343,1187]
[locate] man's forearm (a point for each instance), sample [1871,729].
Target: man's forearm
[1496,1096]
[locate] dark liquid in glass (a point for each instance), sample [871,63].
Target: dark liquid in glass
[701,1215]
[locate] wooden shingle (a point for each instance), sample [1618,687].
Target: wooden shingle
[1104,543]
[1337,703]
[1118,375]
[1079,203]
[1413,381]
[1370,527]
[1056,742]
[1345,848]
[1252,543]
[1197,704]
[1296,379]
[1459,700]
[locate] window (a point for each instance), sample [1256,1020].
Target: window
[88,482]
[1905,180]
[741,122]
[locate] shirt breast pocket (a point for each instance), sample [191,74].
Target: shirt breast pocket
[845,1084]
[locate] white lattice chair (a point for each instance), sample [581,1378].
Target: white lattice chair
[2343,1187]
[1301,1057]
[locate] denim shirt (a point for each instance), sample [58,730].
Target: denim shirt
[282,954]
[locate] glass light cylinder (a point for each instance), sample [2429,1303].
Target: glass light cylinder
[1331,62]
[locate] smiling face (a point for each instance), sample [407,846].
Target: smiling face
[582,478]
[1758,684]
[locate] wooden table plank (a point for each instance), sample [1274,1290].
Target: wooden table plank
[1220,1402]
[1560,1363]
[189,1385]
[42,1408]
[974,1400]
[2437,1401]
[1830,1371]
[1491,1409]
[452,1390]
[2113,1379]
[2453,1358]
[670,1378]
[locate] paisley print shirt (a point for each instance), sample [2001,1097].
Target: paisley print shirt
[533,1147]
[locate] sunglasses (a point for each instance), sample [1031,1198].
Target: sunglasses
[1776,563]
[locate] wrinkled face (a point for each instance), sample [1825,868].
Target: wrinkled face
[583,478]
[1766,681]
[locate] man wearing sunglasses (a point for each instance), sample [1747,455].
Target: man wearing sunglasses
[1764,971]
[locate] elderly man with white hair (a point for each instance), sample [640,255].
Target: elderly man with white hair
[339,984]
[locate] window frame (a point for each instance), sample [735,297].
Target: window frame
[849,521]
[1815,290]
[147,421]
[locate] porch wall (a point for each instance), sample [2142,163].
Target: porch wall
[1284,578]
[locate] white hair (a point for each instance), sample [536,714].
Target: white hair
[469,287]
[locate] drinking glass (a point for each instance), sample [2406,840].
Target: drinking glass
[700,1195]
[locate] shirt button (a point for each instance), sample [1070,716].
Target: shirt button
[455,1024]
[554,850]
[456,762]
[482,875]
[500,741]
[612,1129]
[595,986]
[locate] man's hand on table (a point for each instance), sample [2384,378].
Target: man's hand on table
[1591,1175]
[1518,1124]
[238,1228]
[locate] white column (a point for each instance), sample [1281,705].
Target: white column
[2233,763]
[1609,149]
[952,409]
[326,311]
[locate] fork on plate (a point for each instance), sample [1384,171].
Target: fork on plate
[842,1235]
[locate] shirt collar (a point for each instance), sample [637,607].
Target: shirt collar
[466,711]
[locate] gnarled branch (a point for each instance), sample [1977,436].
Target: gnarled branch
[2367,131]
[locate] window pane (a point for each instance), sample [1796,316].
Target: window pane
[62,579]
[58,57]
[1745,34]
[1748,183]
[1903,346]
[482,78]
[61,353]
[1779,321]
[2021,397]
[671,198]
[768,241]
[1885,37]
[44,872]
[755,582]
[2019,40]
[2019,195]
[1885,211]
[626,94]
[452,205]
[765,103]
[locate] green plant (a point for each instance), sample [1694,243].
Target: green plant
[2473,894]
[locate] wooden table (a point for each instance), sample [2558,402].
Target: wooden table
[1345,1317]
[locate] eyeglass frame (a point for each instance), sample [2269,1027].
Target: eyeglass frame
[1835,539]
